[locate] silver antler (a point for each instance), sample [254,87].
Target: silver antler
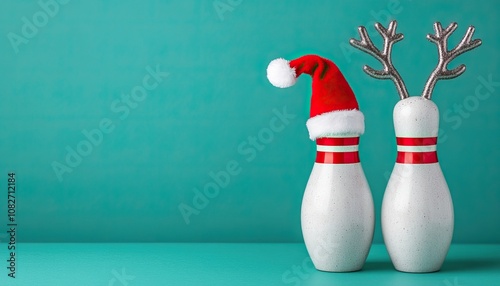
[390,37]
[445,56]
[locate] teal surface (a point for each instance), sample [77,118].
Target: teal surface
[117,115]
[192,264]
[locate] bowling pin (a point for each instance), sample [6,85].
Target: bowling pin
[417,208]
[337,214]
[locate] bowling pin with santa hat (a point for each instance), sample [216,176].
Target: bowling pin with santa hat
[417,209]
[337,215]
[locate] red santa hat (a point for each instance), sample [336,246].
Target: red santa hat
[334,109]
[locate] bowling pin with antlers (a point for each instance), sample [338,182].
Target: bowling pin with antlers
[337,215]
[417,209]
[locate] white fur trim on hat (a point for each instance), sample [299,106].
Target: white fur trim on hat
[280,74]
[335,123]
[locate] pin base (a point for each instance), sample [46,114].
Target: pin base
[339,270]
[416,271]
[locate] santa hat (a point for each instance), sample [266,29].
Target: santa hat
[334,109]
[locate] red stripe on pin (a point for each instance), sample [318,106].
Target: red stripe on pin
[337,157]
[348,141]
[425,141]
[417,157]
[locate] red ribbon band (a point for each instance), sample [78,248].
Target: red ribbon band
[337,157]
[348,141]
[405,141]
[416,157]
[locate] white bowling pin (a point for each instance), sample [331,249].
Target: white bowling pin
[337,214]
[417,210]
[337,209]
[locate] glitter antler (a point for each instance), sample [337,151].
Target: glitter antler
[445,56]
[384,56]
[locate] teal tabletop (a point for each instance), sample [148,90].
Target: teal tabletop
[151,264]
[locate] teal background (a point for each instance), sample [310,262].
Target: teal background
[66,77]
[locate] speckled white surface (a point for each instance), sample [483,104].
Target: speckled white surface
[417,209]
[416,117]
[338,217]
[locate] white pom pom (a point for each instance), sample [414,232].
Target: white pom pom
[280,74]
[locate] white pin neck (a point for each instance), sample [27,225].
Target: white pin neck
[416,117]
